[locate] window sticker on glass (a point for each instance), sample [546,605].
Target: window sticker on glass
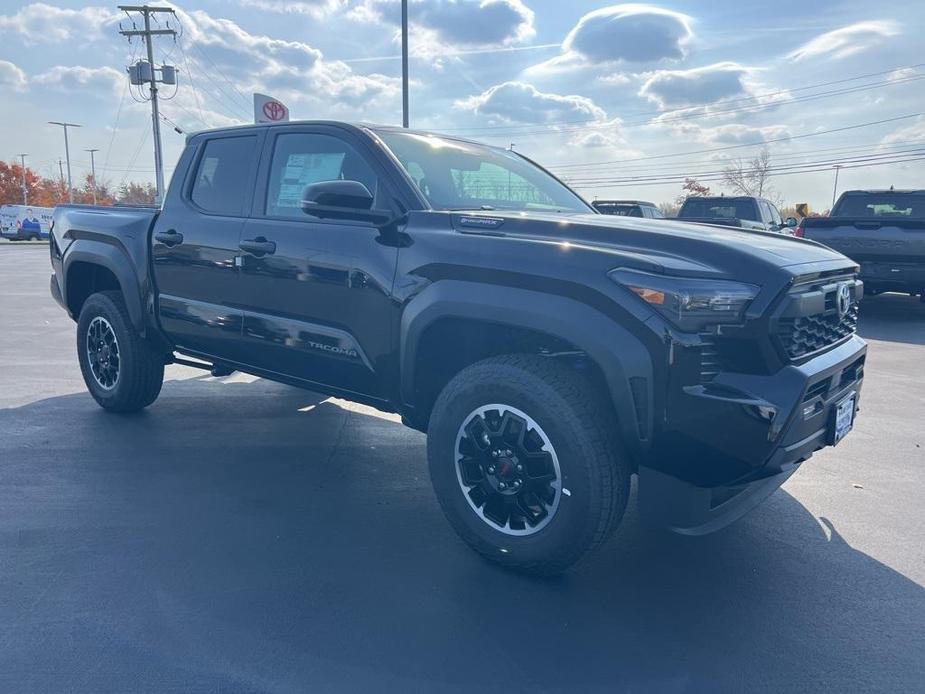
[304,169]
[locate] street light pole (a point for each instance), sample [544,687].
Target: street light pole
[835,187]
[404,64]
[25,191]
[67,155]
[93,171]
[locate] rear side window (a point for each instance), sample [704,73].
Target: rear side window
[223,173]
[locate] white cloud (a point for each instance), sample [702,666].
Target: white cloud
[627,33]
[41,23]
[732,133]
[102,81]
[11,75]
[521,102]
[438,24]
[909,133]
[846,41]
[313,8]
[696,87]
[290,70]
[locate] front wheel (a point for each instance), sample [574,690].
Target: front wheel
[123,372]
[525,463]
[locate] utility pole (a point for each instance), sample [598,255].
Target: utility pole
[147,75]
[60,171]
[93,171]
[835,187]
[67,155]
[404,64]
[25,191]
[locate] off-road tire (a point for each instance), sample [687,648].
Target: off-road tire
[141,367]
[578,420]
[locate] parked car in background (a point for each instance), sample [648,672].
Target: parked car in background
[25,223]
[881,230]
[744,212]
[628,208]
[548,352]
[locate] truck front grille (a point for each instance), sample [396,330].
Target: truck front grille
[802,335]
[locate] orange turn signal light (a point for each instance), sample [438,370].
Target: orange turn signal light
[650,296]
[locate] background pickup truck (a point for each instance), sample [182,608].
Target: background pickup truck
[744,212]
[883,231]
[628,208]
[549,352]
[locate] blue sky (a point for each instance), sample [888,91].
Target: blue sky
[620,98]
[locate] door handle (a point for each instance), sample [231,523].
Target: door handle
[258,246]
[169,238]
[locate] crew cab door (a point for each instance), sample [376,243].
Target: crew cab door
[195,244]
[317,303]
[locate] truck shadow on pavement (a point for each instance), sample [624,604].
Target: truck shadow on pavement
[247,537]
[894,318]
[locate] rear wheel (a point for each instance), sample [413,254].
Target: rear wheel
[123,372]
[525,463]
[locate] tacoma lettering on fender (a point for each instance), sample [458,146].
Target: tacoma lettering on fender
[549,352]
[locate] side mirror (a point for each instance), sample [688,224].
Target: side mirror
[349,200]
[791,222]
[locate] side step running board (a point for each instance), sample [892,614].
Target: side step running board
[216,369]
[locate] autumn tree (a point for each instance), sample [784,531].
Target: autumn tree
[136,193]
[691,188]
[751,177]
[11,183]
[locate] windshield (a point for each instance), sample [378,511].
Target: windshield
[718,207]
[457,175]
[901,205]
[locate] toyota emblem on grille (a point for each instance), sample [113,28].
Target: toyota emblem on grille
[843,299]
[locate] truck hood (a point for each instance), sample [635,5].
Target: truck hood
[662,244]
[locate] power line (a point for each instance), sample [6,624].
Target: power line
[772,174]
[759,143]
[663,166]
[202,52]
[682,175]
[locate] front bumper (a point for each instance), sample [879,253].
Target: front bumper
[893,276]
[730,443]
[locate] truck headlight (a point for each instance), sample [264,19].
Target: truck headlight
[690,303]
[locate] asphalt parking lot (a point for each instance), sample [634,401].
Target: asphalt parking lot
[244,536]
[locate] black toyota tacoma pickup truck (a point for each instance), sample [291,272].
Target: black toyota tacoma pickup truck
[744,212]
[549,352]
[881,230]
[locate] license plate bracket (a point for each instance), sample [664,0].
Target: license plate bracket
[842,417]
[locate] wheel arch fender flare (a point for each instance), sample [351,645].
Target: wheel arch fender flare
[619,354]
[112,258]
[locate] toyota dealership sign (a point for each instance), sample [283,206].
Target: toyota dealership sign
[269,110]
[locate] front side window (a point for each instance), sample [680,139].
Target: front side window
[775,214]
[300,159]
[223,173]
[459,175]
[766,212]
